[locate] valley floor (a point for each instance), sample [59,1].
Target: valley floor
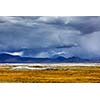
[60,74]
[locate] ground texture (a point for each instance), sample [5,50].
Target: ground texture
[66,74]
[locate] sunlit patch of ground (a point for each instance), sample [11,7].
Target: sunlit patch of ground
[57,74]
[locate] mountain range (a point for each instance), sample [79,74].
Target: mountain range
[7,58]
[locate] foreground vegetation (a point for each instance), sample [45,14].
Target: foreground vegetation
[72,74]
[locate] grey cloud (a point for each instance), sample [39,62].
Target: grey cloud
[48,36]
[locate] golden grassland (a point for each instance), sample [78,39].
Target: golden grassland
[73,74]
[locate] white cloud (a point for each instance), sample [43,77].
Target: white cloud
[54,19]
[15,53]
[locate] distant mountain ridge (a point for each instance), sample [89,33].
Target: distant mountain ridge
[7,58]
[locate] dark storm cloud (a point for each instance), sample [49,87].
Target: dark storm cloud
[88,25]
[45,36]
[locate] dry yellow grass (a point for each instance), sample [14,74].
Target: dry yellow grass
[74,74]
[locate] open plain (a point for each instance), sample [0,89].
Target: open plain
[50,73]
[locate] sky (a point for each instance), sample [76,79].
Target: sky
[49,36]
